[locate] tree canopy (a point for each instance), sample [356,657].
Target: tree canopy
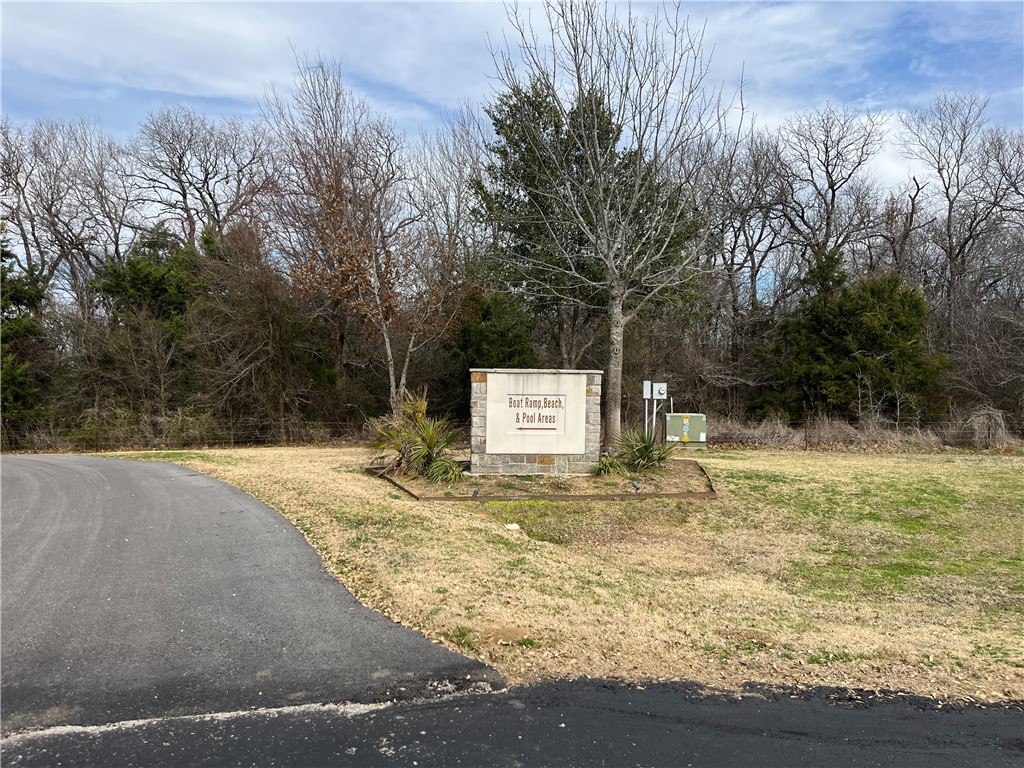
[287,277]
[855,350]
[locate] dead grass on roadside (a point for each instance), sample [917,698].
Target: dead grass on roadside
[802,573]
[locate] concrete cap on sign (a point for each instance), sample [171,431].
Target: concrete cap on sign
[531,370]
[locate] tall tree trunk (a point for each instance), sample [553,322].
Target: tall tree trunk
[390,355]
[613,389]
[566,336]
[400,392]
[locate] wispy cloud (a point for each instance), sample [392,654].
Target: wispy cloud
[117,61]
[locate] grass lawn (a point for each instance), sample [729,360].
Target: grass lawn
[897,571]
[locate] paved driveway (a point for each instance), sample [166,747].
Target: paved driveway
[137,589]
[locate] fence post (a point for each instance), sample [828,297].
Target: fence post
[806,437]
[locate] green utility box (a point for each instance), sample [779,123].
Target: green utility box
[688,428]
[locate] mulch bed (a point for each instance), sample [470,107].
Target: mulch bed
[680,479]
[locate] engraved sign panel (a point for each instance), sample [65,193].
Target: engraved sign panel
[529,413]
[536,413]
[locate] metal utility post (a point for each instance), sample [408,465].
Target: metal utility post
[647,397]
[659,393]
[653,393]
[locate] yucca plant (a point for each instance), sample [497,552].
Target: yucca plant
[432,438]
[642,451]
[411,443]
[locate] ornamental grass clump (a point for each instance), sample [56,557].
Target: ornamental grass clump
[411,443]
[608,465]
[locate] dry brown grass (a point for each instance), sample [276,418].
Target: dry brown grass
[879,572]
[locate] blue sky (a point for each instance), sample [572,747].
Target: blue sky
[116,62]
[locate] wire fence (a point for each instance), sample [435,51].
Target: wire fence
[982,429]
[113,437]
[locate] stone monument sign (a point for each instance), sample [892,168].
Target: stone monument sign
[529,421]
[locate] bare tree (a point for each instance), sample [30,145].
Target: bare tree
[900,226]
[72,207]
[354,225]
[317,127]
[40,197]
[373,242]
[200,173]
[975,187]
[740,192]
[1007,150]
[627,118]
[971,258]
[399,230]
[826,195]
[68,197]
[447,166]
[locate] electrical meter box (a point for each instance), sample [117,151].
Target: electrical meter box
[691,429]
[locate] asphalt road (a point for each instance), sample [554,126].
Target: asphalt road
[583,723]
[155,617]
[137,589]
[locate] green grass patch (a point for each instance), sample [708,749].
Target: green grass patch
[752,481]
[568,522]
[752,476]
[845,578]
[999,653]
[540,520]
[381,520]
[939,527]
[505,542]
[178,457]
[462,637]
[830,657]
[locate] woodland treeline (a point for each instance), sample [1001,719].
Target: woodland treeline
[211,279]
